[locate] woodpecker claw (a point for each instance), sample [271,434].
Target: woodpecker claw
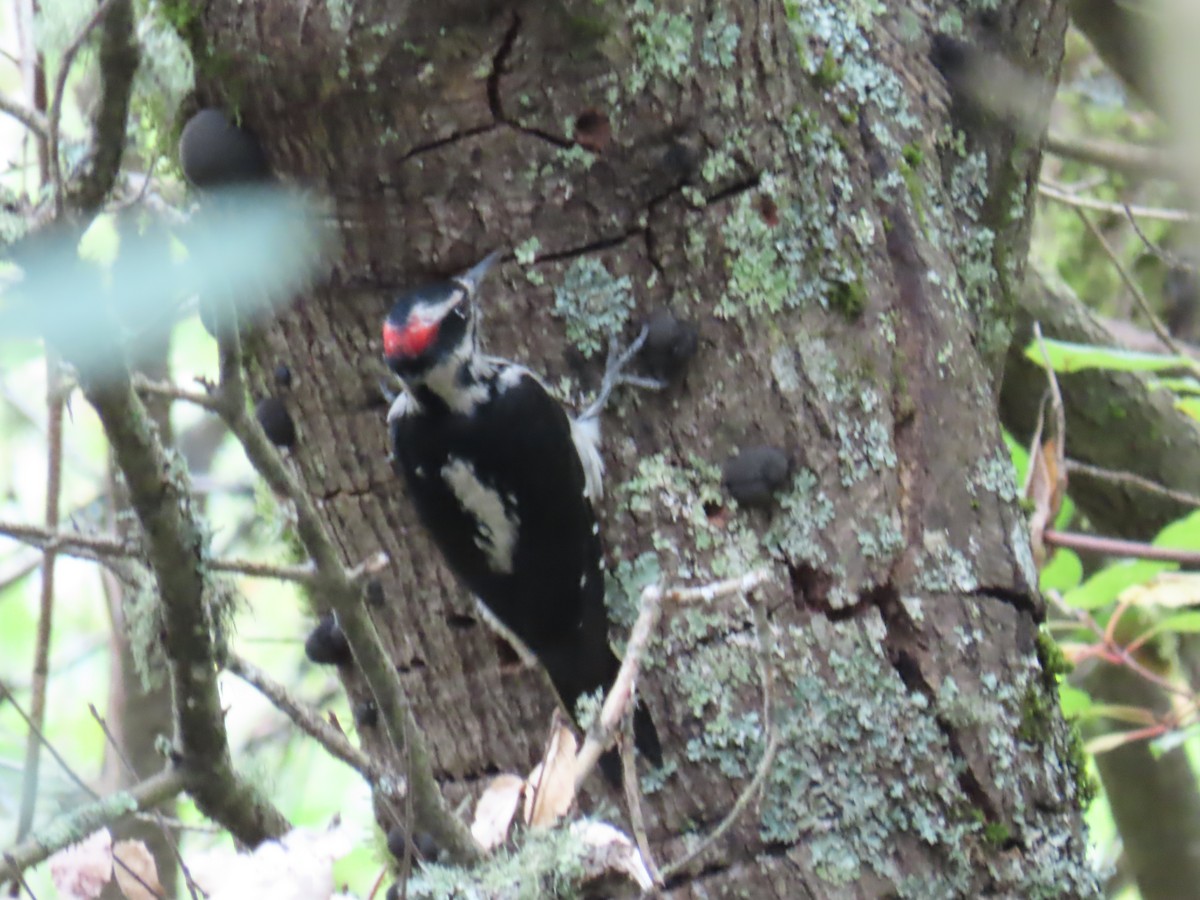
[614,373]
[385,389]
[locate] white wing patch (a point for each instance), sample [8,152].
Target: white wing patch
[498,524]
[585,433]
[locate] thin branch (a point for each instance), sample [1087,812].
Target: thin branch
[101,547]
[1155,323]
[1117,209]
[306,718]
[1114,476]
[342,592]
[1115,653]
[1091,543]
[79,823]
[1169,258]
[748,793]
[27,116]
[1118,156]
[56,102]
[45,626]
[633,801]
[36,731]
[157,817]
[600,736]
[144,385]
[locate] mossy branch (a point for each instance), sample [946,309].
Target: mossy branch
[78,824]
[176,546]
[341,591]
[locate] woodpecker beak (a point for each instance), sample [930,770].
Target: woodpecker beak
[471,278]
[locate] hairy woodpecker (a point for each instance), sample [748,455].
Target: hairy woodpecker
[504,481]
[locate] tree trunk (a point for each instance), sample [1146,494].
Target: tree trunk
[795,179]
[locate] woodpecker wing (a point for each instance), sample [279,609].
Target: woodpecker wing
[501,489]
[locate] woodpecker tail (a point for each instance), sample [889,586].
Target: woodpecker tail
[581,670]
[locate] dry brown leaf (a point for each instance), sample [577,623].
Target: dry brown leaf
[495,810]
[133,861]
[551,786]
[1045,489]
[1170,590]
[81,871]
[611,850]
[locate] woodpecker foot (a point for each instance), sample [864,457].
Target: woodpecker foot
[389,395]
[615,375]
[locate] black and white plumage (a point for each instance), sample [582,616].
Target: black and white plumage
[503,480]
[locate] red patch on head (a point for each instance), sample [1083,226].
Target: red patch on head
[411,340]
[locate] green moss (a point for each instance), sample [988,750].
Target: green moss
[996,833]
[849,298]
[829,73]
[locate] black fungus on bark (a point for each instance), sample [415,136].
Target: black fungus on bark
[283,376]
[214,152]
[366,714]
[756,474]
[423,844]
[327,645]
[670,345]
[276,421]
[374,593]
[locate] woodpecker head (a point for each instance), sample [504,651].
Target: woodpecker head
[433,325]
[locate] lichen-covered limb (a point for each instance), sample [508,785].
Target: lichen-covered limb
[176,547]
[79,823]
[338,588]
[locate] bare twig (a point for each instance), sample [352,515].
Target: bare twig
[41,647]
[36,731]
[753,789]
[633,801]
[306,718]
[1142,212]
[748,794]
[1115,652]
[1114,476]
[56,102]
[158,818]
[1140,298]
[1169,258]
[1118,156]
[79,823]
[600,736]
[27,116]
[1091,543]
[144,385]
[101,547]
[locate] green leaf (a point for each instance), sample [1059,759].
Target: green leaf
[1073,700]
[1106,585]
[1180,623]
[1070,357]
[1063,573]
[1189,406]
[1182,534]
[1186,385]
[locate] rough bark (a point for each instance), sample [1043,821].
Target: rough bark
[792,178]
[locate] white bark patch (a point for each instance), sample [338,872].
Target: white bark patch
[498,525]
